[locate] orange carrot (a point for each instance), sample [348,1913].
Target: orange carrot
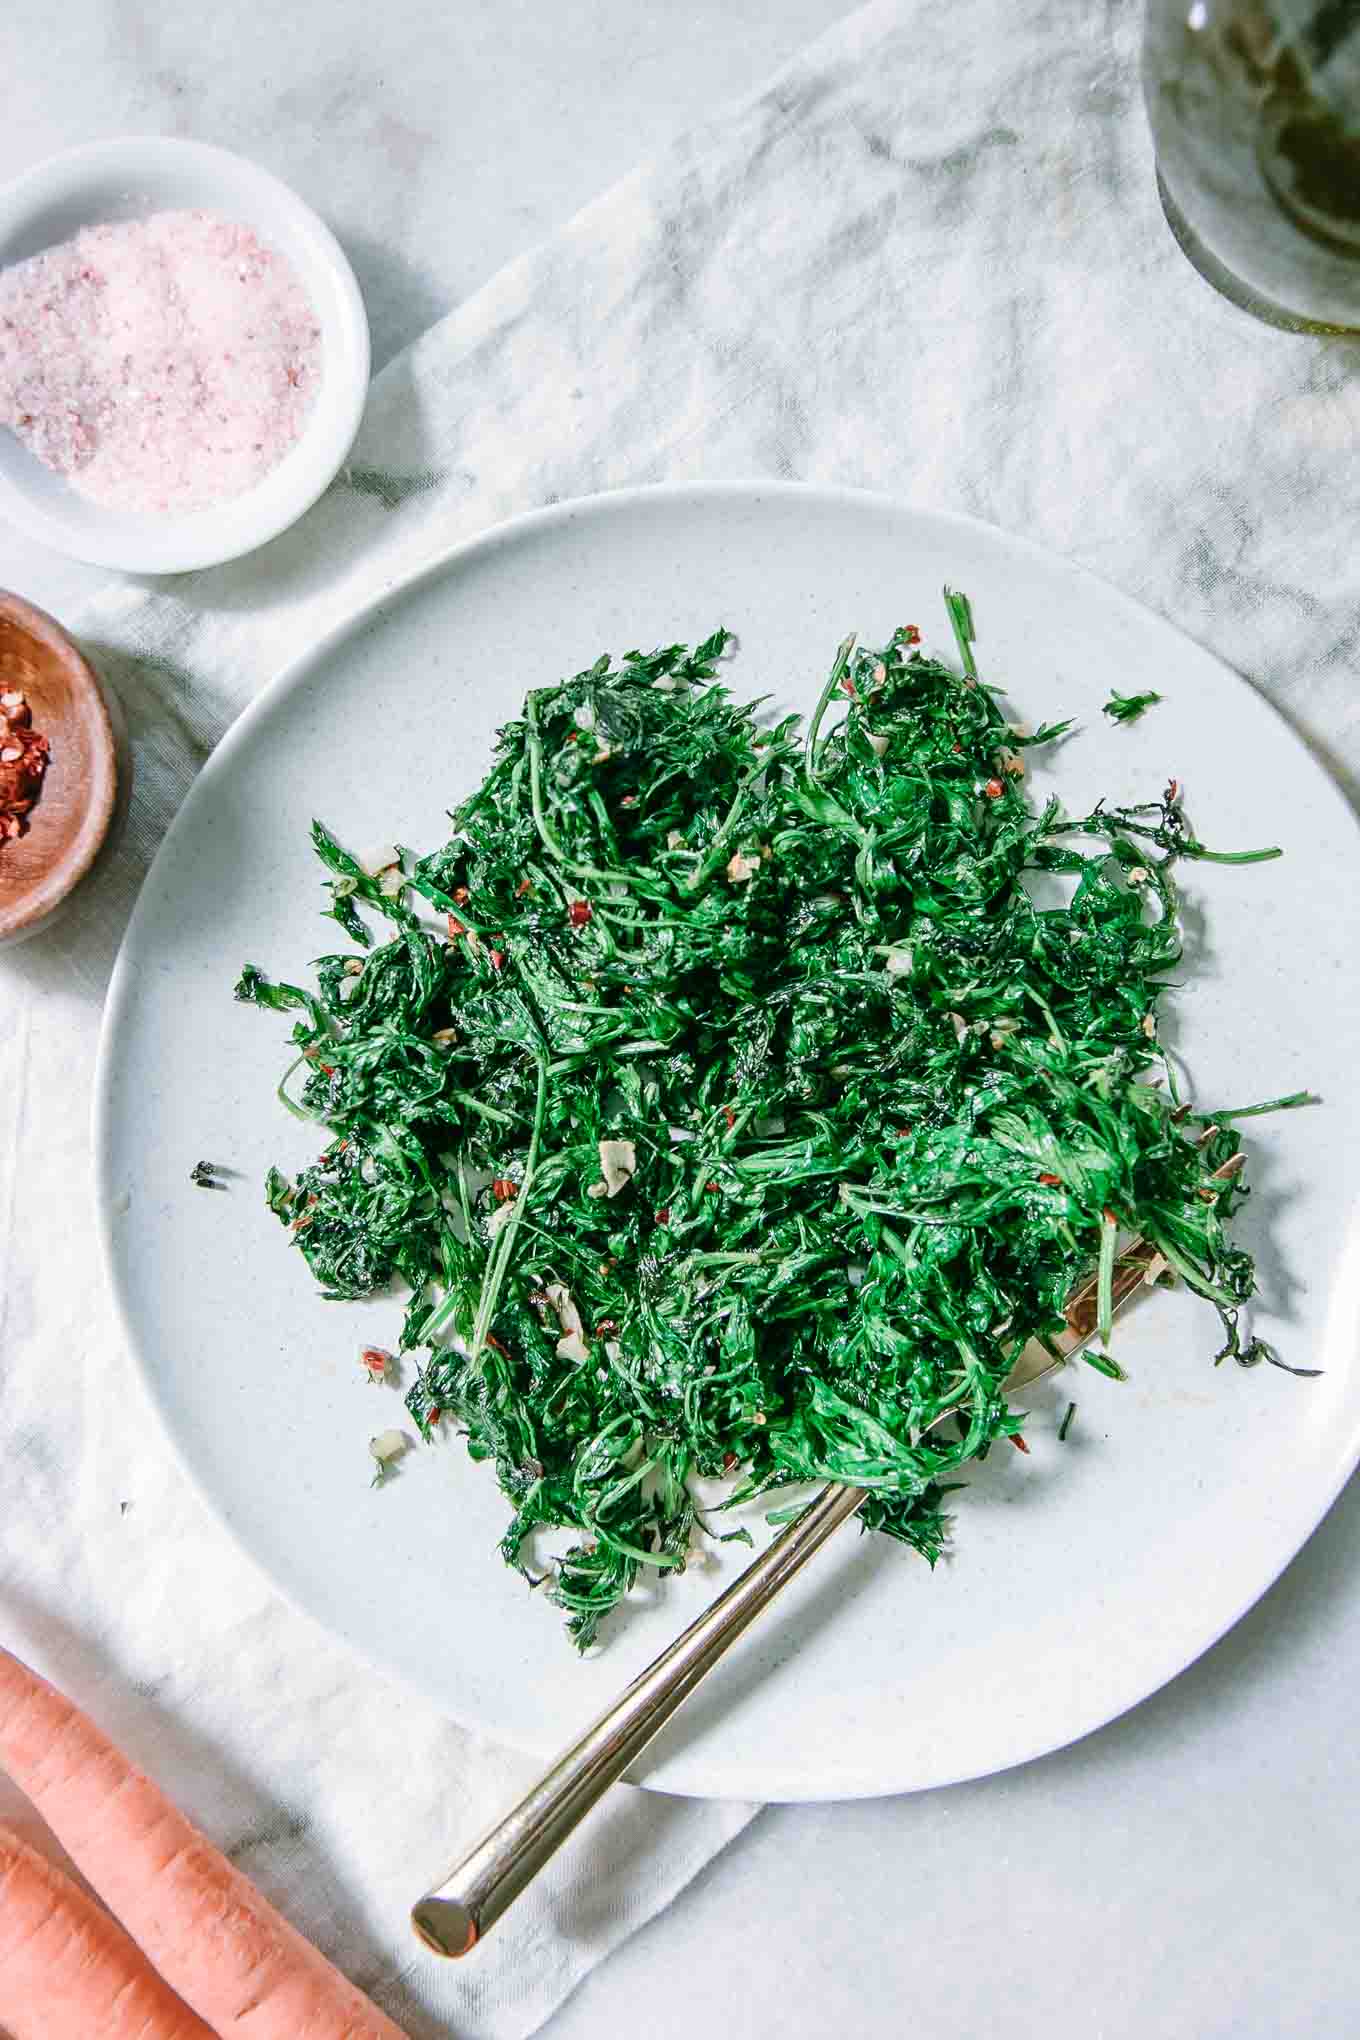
[68,1971]
[204,1925]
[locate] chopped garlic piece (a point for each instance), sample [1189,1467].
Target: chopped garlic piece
[618,1165]
[877,744]
[564,1303]
[388,1445]
[898,963]
[574,1348]
[500,1217]
[379,859]
[960,1027]
[742,867]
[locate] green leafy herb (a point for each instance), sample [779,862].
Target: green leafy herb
[731,1108]
[1125,708]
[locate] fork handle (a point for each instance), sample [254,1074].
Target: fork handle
[452,1918]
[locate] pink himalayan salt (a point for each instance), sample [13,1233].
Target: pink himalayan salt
[161,364]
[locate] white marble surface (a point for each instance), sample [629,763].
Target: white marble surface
[1190,1872]
[438,141]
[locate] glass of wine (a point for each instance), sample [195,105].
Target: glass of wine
[1255,113]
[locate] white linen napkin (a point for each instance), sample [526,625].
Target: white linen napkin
[928,259]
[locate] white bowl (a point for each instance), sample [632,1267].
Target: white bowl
[130,178]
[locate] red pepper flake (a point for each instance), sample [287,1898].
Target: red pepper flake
[848,687]
[957,749]
[713,1188]
[911,635]
[1053,1182]
[525,885]
[23,761]
[376,1361]
[456,927]
[497,958]
[730,1116]
[1173,787]
[432,1417]
[993,789]
[579,912]
[663,1217]
[1019,1443]
[492,1340]
[461,895]
[606,1324]
[1109,1216]
[729,1461]
[503,1189]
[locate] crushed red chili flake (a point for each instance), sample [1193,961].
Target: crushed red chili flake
[525,885]
[456,927]
[503,1189]
[497,957]
[993,789]
[376,1361]
[729,1461]
[713,1188]
[432,1416]
[461,895]
[492,1340]
[848,687]
[911,635]
[606,1324]
[23,761]
[579,912]
[730,1116]
[1019,1443]
[1052,1181]
[663,1217]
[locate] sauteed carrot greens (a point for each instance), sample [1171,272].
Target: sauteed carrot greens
[730,1108]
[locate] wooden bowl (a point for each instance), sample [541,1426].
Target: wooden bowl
[71,817]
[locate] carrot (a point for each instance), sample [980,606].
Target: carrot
[205,1927]
[68,1971]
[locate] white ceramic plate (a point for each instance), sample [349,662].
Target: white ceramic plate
[1084,1575]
